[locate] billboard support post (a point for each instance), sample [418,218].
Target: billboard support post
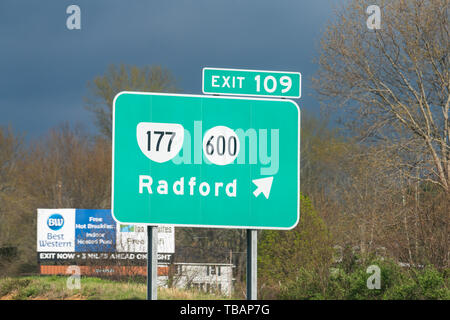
[252,251]
[152,263]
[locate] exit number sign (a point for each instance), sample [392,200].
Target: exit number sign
[276,84]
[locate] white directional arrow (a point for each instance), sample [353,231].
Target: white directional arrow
[263,185]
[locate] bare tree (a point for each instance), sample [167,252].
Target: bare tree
[103,89]
[10,155]
[368,203]
[394,82]
[69,169]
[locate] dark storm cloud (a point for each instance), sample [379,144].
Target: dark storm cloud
[44,67]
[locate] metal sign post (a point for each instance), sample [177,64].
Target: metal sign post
[252,252]
[152,263]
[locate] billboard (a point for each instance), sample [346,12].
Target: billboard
[81,235]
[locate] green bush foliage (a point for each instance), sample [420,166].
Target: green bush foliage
[298,264]
[397,283]
[284,256]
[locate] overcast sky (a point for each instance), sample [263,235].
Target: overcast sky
[44,67]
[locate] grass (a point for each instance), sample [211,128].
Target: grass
[55,288]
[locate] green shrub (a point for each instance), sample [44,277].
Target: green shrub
[27,292]
[284,256]
[396,283]
[432,284]
[306,286]
[407,290]
[426,284]
[11,285]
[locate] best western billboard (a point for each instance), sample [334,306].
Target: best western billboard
[94,231]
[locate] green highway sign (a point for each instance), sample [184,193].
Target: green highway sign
[275,84]
[205,161]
